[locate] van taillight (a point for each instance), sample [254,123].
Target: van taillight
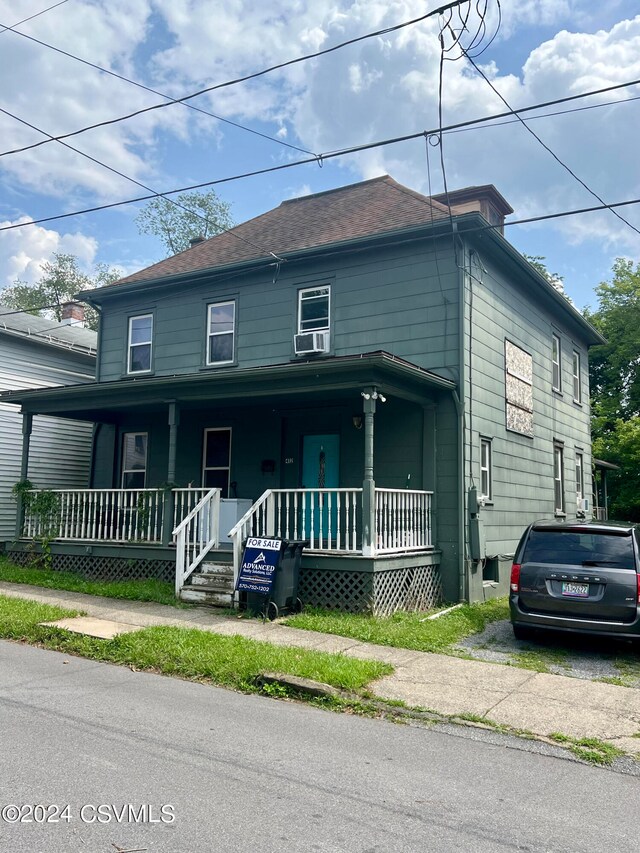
[638,577]
[515,578]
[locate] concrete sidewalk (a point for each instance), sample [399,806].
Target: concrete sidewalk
[519,698]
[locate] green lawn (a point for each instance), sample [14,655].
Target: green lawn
[405,630]
[197,655]
[135,590]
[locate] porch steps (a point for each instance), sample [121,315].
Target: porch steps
[211,583]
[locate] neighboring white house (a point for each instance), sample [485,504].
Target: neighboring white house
[39,353]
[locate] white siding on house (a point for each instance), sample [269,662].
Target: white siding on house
[60,453]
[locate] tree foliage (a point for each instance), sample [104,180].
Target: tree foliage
[60,281]
[614,371]
[189,215]
[555,279]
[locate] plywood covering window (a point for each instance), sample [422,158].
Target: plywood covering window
[140,342]
[519,389]
[134,460]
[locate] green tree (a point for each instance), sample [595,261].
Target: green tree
[189,215]
[555,280]
[615,366]
[621,444]
[60,281]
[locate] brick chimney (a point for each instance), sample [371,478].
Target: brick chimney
[485,199]
[73,313]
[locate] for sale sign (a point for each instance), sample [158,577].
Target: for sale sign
[259,563]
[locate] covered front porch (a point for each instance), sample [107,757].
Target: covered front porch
[288,451]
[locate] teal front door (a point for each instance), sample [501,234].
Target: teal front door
[320,470]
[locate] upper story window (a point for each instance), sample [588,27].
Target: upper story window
[577,390]
[134,460]
[556,357]
[485,468]
[221,331]
[519,389]
[313,309]
[140,337]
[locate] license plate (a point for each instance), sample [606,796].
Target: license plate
[579,590]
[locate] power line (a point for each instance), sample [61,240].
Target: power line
[545,146]
[138,183]
[329,155]
[245,78]
[31,17]
[146,88]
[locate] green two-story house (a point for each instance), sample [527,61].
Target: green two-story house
[369,369]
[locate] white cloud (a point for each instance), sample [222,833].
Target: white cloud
[24,250]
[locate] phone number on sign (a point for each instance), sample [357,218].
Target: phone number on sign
[89,813]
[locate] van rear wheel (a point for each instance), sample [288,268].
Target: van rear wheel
[522,633]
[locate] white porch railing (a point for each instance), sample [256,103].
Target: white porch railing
[403,520]
[110,515]
[184,501]
[600,513]
[331,519]
[196,535]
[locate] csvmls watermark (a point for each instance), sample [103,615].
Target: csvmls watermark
[124,813]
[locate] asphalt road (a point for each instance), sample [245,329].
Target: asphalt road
[244,773]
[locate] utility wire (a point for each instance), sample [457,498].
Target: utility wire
[545,146]
[139,183]
[31,17]
[330,155]
[245,78]
[170,100]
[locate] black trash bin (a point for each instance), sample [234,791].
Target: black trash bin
[283,597]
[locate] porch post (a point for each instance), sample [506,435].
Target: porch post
[174,420]
[27,427]
[370,396]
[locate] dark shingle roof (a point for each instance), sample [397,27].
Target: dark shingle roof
[359,210]
[45,331]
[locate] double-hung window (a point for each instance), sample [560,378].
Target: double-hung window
[556,361]
[579,476]
[134,460]
[140,342]
[486,474]
[313,309]
[577,391]
[216,461]
[558,478]
[221,332]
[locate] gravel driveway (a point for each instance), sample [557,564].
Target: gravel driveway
[595,659]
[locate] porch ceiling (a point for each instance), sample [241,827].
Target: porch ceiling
[327,378]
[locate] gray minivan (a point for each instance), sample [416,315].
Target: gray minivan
[582,577]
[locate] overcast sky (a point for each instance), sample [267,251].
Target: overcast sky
[374,90]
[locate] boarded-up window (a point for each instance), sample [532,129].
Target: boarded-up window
[519,389]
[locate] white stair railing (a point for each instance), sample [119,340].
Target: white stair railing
[258,520]
[196,535]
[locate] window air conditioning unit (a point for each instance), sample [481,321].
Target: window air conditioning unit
[308,343]
[583,504]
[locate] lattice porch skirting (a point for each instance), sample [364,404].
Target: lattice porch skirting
[381,593]
[103,568]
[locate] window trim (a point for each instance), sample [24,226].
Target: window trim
[558,480]
[227,467]
[131,346]
[486,470]
[301,293]
[579,477]
[210,334]
[556,363]
[123,470]
[576,367]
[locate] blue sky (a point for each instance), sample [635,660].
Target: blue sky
[376,89]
